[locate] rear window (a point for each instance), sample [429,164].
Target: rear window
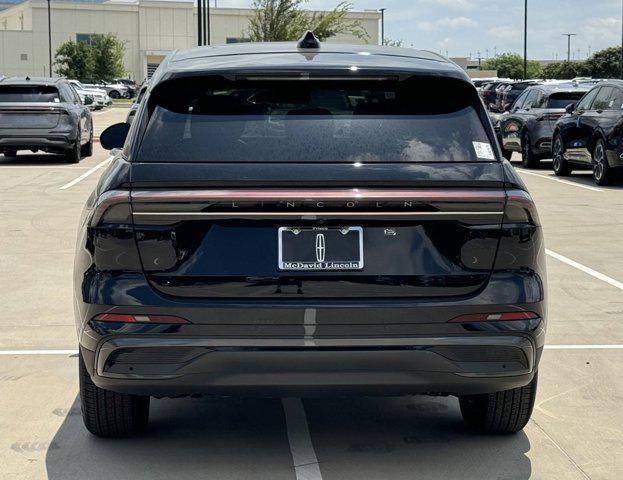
[201,120]
[562,99]
[29,93]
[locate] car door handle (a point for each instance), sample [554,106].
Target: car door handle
[599,111]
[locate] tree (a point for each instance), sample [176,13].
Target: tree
[101,58]
[605,63]
[511,65]
[107,51]
[565,70]
[73,60]
[285,20]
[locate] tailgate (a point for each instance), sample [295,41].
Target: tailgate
[27,116]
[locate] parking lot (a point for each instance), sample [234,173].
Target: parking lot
[576,430]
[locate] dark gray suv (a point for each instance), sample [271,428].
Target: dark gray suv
[44,114]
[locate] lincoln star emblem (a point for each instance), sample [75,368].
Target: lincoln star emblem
[320,248]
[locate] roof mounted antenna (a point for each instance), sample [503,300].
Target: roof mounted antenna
[308,40]
[28,79]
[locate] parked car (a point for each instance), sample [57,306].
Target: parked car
[528,126]
[130,84]
[100,97]
[44,114]
[114,90]
[489,91]
[134,107]
[346,234]
[589,137]
[507,96]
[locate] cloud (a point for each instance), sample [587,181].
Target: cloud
[505,32]
[605,29]
[447,23]
[456,4]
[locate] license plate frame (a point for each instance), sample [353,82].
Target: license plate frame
[325,265]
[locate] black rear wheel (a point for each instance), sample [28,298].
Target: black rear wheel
[528,158]
[561,166]
[73,155]
[111,414]
[602,172]
[114,94]
[87,149]
[502,412]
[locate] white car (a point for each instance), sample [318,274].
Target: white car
[114,90]
[100,96]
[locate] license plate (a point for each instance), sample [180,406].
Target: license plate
[320,248]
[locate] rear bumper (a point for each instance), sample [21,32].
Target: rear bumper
[44,140]
[163,365]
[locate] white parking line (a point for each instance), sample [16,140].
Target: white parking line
[303,455]
[585,269]
[583,347]
[86,174]
[560,180]
[38,352]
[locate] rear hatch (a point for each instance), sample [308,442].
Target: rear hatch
[29,106]
[557,103]
[275,189]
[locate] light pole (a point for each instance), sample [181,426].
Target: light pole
[199,22]
[382,10]
[525,40]
[569,35]
[50,36]
[622,39]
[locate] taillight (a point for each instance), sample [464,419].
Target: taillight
[494,317]
[520,208]
[127,318]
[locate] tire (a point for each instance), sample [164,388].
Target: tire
[87,149]
[111,414]
[10,153]
[114,94]
[502,412]
[73,154]
[528,158]
[562,168]
[602,172]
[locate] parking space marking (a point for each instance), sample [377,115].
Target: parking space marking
[303,455]
[559,180]
[585,269]
[38,352]
[86,174]
[583,347]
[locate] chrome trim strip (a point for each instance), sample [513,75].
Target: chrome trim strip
[314,215]
[154,196]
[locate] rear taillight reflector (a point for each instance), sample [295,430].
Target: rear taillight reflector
[125,318]
[494,317]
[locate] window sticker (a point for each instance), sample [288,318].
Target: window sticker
[483,150]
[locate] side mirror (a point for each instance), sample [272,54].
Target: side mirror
[570,108]
[114,136]
[88,100]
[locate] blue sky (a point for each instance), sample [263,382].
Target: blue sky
[461,27]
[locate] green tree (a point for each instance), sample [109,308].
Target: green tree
[286,20]
[511,65]
[73,60]
[605,63]
[107,52]
[565,70]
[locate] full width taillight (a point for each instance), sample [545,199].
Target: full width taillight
[494,317]
[132,318]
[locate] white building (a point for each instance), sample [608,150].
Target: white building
[149,28]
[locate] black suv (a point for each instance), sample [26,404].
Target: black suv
[507,95]
[528,126]
[589,137]
[44,114]
[287,219]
